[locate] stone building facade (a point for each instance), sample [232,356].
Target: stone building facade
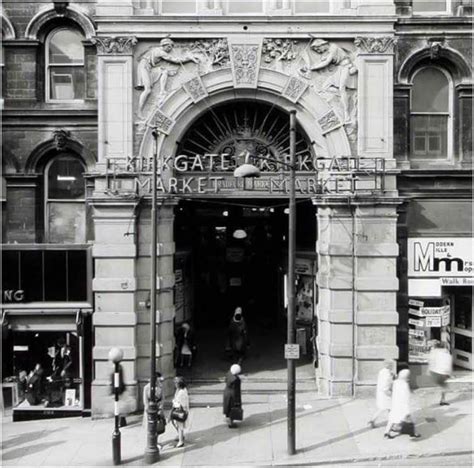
[383,95]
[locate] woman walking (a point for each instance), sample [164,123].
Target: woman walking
[180,409]
[384,390]
[440,365]
[232,407]
[400,420]
[237,336]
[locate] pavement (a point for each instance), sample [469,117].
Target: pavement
[330,432]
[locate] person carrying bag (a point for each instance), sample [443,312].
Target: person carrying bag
[180,409]
[232,402]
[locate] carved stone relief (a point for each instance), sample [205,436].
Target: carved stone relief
[245,59]
[169,65]
[116,45]
[294,88]
[61,138]
[375,45]
[329,122]
[162,122]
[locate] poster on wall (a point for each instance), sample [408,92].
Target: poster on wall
[426,324]
[440,257]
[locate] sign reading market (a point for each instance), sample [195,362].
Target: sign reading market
[212,174]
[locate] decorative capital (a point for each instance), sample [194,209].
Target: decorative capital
[61,138]
[375,45]
[116,45]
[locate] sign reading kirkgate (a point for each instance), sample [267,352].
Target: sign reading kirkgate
[211,174]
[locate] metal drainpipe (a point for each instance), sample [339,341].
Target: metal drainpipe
[353,296]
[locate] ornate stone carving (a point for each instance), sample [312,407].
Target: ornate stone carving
[294,88]
[213,53]
[376,45]
[116,45]
[435,49]
[276,50]
[195,88]
[329,122]
[245,59]
[162,122]
[61,138]
[341,71]
[61,7]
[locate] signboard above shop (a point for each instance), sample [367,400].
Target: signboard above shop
[441,258]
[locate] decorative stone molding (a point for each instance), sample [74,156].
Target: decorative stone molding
[161,122]
[245,60]
[329,122]
[195,88]
[375,45]
[294,88]
[61,138]
[115,45]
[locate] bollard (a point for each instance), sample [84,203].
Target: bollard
[116,355]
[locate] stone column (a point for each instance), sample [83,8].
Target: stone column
[114,287]
[115,70]
[375,103]
[357,284]
[164,300]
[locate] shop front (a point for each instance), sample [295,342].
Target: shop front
[440,298]
[46,328]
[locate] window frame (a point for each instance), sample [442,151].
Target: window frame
[48,65]
[449,114]
[447,11]
[47,201]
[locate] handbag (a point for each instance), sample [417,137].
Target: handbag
[160,424]
[178,414]
[236,413]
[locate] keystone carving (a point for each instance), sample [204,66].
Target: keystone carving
[61,138]
[116,45]
[435,49]
[245,60]
[376,45]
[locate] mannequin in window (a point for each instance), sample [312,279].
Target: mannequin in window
[34,386]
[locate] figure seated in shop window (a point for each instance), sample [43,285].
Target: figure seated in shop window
[185,345]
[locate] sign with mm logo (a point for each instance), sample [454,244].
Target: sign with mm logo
[440,257]
[292,351]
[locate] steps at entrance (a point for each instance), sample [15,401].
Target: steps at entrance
[208,392]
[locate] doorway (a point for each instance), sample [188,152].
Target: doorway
[237,250]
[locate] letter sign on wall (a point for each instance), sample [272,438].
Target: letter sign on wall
[440,257]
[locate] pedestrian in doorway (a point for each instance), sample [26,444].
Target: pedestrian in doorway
[232,405]
[159,403]
[180,409]
[384,390]
[400,420]
[185,345]
[238,336]
[440,366]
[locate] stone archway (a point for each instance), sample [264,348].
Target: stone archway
[177,113]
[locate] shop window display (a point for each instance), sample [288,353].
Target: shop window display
[45,367]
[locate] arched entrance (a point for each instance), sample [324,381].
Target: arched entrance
[231,246]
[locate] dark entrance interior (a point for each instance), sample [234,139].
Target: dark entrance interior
[235,253]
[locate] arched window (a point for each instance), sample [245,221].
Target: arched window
[65,77]
[65,200]
[431,114]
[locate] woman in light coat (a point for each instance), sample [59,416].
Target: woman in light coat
[180,400]
[400,420]
[384,390]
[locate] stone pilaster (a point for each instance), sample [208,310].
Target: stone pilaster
[114,287]
[375,65]
[357,255]
[165,300]
[115,100]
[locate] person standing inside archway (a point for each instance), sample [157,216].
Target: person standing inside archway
[238,336]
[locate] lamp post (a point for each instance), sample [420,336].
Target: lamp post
[249,170]
[116,355]
[152,453]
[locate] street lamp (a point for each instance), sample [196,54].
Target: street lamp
[152,453]
[115,356]
[249,170]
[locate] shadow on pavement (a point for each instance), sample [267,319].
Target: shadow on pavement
[31,449]
[28,437]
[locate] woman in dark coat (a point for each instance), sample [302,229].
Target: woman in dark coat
[237,336]
[232,395]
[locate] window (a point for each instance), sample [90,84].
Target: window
[65,75]
[65,200]
[431,118]
[431,6]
